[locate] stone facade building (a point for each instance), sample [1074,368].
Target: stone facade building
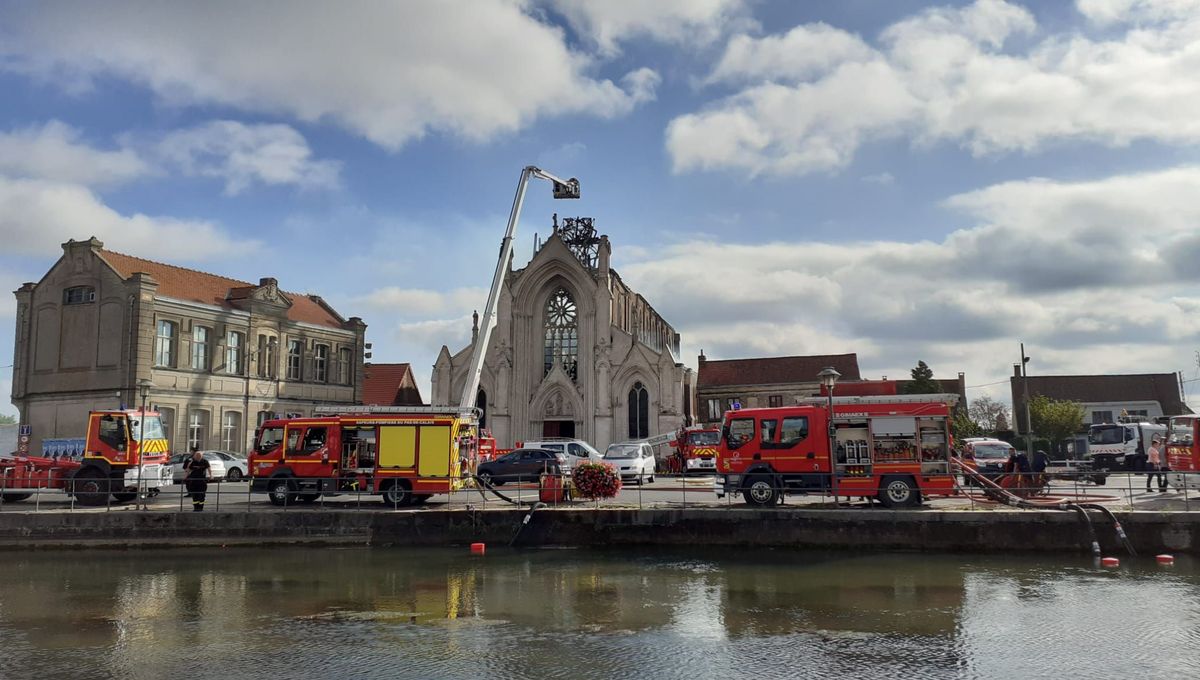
[221,355]
[575,353]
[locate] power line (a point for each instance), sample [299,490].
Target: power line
[998,382]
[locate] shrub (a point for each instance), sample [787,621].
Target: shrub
[596,480]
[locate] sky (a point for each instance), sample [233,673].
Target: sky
[905,180]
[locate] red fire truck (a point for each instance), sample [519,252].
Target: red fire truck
[894,448]
[123,450]
[1183,452]
[406,454]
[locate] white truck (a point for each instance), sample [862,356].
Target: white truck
[1119,447]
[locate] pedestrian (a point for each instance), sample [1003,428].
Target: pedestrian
[197,473]
[1156,461]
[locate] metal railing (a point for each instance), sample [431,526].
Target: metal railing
[1121,491]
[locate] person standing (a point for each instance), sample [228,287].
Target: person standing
[1155,459]
[197,473]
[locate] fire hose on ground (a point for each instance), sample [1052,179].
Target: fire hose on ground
[481,484]
[1001,495]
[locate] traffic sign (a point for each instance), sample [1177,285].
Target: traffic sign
[25,430]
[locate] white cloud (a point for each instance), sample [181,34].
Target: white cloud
[243,154]
[389,72]
[37,215]
[55,151]
[608,22]
[1094,276]
[814,95]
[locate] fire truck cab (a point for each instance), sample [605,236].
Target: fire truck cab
[1183,452]
[892,448]
[405,454]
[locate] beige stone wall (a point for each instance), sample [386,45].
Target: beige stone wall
[73,358]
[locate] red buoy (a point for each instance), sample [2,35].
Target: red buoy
[1165,559]
[478,548]
[1110,562]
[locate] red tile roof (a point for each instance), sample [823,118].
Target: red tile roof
[390,385]
[210,289]
[774,370]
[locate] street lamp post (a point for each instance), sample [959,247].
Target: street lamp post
[829,377]
[1025,389]
[144,386]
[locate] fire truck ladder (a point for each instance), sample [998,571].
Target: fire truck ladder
[1001,495]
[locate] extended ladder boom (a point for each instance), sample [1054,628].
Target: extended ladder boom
[562,189]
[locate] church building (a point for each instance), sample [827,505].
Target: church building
[576,353]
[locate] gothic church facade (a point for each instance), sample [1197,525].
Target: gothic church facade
[575,353]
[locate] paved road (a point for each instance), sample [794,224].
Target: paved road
[1121,491]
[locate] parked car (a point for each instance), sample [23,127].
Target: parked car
[225,465]
[521,465]
[576,450]
[987,456]
[633,460]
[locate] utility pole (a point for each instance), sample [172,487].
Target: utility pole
[1028,421]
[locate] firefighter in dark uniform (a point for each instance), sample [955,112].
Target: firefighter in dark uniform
[197,473]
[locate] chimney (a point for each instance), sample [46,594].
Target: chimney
[1016,370]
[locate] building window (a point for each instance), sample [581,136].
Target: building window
[343,375]
[321,363]
[264,416]
[231,431]
[197,429]
[1099,417]
[200,342]
[562,333]
[294,355]
[775,400]
[164,345]
[268,356]
[639,412]
[79,295]
[233,353]
[714,410]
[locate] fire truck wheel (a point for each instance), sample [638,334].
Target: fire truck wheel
[398,494]
[280,492]
[14,497]
[91,486]
[760,490]
[897,492]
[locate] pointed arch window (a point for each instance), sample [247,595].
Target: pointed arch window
[562,333]
[481,404]
[639,411]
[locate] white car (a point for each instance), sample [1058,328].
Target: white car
[224,465]
[633,460]
[576,450]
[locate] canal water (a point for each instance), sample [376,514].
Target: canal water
[417,613]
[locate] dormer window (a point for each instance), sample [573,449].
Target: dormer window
[79,295]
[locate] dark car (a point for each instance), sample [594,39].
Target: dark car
[521,465]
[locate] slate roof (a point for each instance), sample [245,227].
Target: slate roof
[390,385]
[1160,387]
[775,370]
[190,285]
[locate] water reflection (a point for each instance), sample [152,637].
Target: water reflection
[559,613]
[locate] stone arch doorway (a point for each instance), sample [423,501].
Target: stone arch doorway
[558,428]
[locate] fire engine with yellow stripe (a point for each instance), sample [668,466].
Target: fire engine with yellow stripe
[125,452]
[404,453]
[895,449]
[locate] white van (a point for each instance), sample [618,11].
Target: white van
[577,450]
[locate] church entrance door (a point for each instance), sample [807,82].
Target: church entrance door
[558,428]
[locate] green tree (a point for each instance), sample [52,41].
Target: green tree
[987,414]
[7,419]
[963,426]
[922,381]
[1053,419]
